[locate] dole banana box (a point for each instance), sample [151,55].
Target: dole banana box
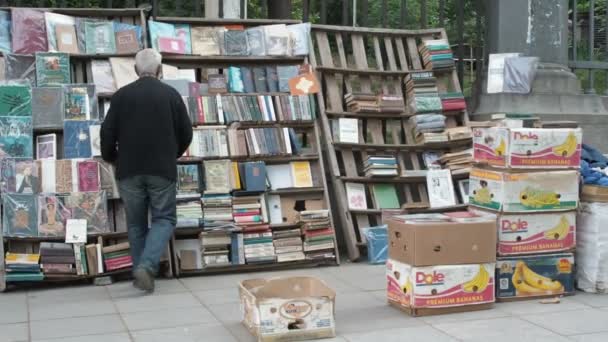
[535,276]
[524,191]
[540,148]
[439,286]
[535,233]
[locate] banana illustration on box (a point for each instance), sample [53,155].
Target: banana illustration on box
[568,148]
[500,150]
[407,288]
[535,198]
[482,195]
[560,231]
[527,281]
[479,283]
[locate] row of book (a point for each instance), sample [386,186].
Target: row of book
[61,260]
[32,30]
[234,40]
[218,141]
[422,93]
[436,54]
[218,109]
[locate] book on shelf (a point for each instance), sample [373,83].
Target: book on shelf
[259,79]
[189,254]
[348,130]
[19,215]
[5,31]
[205,41]
[355,193]
[46,146]
[285,73]
[80,102]
[276,40]
[57,258]
[15,100]
[235,80]
[188,181]
[171,45]
[59,29]
[117,256]
[279,176]
[381,166]
[52,68]
[102,77]
[93,262]
[235,43]
[253,176]
[436,54]
[440,188]
[189,214]
[208,141]
[127,41]
[385,196]
[301,174]
[123,69]
[52,215]
[20,67]
[256,42]
[217,176]
[100,37]
[18,144]
[299,37]
[28,31]
[459,133]
[218,83]
[77,139]
[182,32]
[47,107]
[157,30]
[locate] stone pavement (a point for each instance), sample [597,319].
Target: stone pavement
[207,309]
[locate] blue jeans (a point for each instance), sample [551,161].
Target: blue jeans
[158,194]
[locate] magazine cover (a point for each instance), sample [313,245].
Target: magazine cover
[15,100]
[107,176]
[16,137]
[99,37]
[188,179]
[77,139]
[20,215]
[52,68]
[76,103]
[7,174]
[27,177]
[90,206]
[20,67]
[46,146]
[88,176]
[52,215]
[47,107]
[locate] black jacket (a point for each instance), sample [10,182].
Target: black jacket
[146,129]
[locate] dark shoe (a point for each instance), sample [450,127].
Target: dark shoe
[144,280]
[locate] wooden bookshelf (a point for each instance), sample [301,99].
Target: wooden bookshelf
[370,60]
[80,73]
[204,65]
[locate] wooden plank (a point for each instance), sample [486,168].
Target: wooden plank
[343,61]
[373,31]
[331,85]
[380,63]
[374,127]
[360,55]
[401,52]
[362,72]
[414,54]
[392,62]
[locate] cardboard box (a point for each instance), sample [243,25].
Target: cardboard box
[539,148]
[535,276]
[442,239]
[594,193]
[524,191]
[438,287]
[533,233]
[288,309]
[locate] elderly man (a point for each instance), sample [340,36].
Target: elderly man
[146,129]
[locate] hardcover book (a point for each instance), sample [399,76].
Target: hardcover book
[25,177]
[47,107]
[52,68]
[20,215]
[385,196]
[80,102]
[95,134]
[355,193]
[16,137]
[205,41]
[259,79]
[100,37]
[217,176]
[46,146]
[29,31]
[88,176]
[90,206]
[272,78]
[7,175]
[123,69]
[120,27]
[15,100]
[5,31]
[247,77]
[63,176]
[188,179]
[182,32]
[65,36]
[52,215]
[235,43]
[171,45]
[301,174]
[217,83]
[107,175]
[253,176]
[56,22]
[127,41]
[299,35]
[277,40]
[101,72]
[20,67]
[255,41]
[77,139]
[158,30]
[235,80]
[285,73]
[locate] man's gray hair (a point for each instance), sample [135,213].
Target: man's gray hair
[147,62]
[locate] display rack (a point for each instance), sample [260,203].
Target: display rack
[312,153]
[81,73]
[367,60]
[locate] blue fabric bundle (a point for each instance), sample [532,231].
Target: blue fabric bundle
[592,158]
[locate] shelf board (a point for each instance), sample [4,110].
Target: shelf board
[267,159]
[229,60]
[197,230]
[296,191]
[403,147]
[363,72]
[48,130]
[411,210]
[259,267]
[222,21]
[111,235]
[100,55]
[367,115]
[66,278]
[262,124]
[400,179]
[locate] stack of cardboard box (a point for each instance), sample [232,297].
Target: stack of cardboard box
[529,178]
[441,263]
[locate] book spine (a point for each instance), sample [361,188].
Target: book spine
[78,259]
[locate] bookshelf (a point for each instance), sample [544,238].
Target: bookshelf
[307,131]
[377,61]
[80,71]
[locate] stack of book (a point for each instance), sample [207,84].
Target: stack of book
[429,128]
[288,245]
[460,161]
[361,102]
[189,214]
[217,209]
[237,249]
[249,210]
[117,256]
[459,133]
[436,54]
[22,267]
[318,234]
[215,247]
[453,102]
[57,259]
[390,103]
[381,166]
[422,93]
[259,247]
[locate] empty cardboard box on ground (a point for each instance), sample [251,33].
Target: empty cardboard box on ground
[288,309]
[425,243]
[542,148]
